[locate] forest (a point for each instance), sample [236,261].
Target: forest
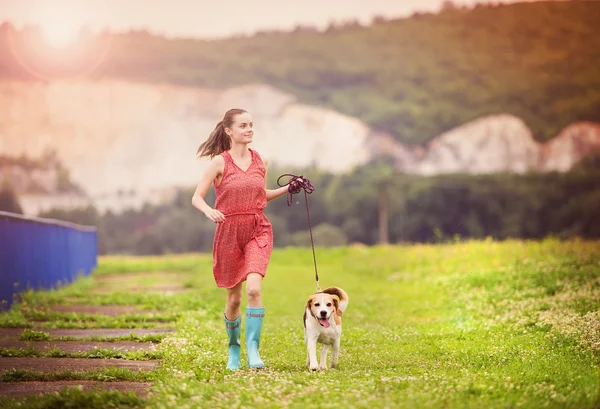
[346,209]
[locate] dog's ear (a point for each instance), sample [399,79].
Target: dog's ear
[309,303]
[336,304]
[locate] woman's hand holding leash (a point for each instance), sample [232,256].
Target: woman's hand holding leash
[295,185]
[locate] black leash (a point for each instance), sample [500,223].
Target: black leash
[295,185]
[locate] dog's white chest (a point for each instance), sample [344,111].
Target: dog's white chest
[327,336]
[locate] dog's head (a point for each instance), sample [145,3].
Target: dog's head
[322,306]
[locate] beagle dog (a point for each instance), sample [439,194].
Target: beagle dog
[323,325]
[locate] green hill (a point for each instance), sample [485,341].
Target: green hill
[414,78]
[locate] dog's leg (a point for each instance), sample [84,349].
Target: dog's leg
[311,345]
[323,363]
[307,352]
[334,352]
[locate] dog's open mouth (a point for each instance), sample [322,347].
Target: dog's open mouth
[324,322]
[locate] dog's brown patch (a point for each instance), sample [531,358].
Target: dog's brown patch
[341,294]
[309,307]
[341,297]
[338,320]
[336,304]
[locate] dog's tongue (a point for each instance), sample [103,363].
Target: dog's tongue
[324,323]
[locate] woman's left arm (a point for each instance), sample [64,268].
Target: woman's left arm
[273,193]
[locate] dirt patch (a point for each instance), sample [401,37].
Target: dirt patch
[7,333]
[19,389]
[111,310]
[71,347]
[10,332]
[73,364]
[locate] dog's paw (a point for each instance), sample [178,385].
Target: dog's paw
[314,367]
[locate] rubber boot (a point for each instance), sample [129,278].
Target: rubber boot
[254,319]
[233,331]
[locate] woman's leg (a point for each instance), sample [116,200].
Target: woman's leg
[234,300]
[254,317]
[253,290]
[233,323]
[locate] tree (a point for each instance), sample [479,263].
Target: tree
[448,5]
[380,172]
[9,202]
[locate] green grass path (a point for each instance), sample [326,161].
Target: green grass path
[467,325]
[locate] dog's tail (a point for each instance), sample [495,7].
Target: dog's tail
[341,294]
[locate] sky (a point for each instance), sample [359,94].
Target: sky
[203,18]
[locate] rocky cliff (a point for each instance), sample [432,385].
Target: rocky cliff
[125,143]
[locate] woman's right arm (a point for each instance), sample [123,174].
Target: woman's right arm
[214,169]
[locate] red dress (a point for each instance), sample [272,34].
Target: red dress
[244,241]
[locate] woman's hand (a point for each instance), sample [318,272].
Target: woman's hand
[215,215]
[295,185]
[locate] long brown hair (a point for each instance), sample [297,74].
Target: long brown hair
[218,141]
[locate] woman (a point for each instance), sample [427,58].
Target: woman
[243,240]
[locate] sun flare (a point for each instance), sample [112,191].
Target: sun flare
[59,35]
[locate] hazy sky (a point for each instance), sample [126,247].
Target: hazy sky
[203,18]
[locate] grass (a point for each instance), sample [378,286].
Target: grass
[465,325]
[77,399]
[85,320]
[34,305]
[32,335]
[103,353]
[102,323]
[104,375]
[36,315]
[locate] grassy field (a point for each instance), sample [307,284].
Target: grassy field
[466,325]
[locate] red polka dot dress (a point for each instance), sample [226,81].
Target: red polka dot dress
[244,241]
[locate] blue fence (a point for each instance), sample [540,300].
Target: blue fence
[41,253]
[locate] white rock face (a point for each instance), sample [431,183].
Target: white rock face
[128,143]
[498,143]
[573,143]
[115,135]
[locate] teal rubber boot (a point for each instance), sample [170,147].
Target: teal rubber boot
[254,319]
[233,330]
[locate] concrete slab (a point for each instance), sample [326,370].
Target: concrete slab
[71,347]
[14,333]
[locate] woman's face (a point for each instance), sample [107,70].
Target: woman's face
[241,131]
